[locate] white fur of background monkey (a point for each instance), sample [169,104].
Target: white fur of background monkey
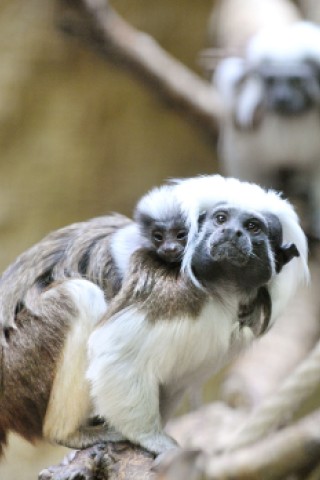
[272,100]
[233,22]
[256,139]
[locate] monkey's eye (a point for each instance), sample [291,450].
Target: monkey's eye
[221,217]
[254,226]
[182,234]
[157,236]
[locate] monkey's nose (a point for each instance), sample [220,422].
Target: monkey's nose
[171,253]
[171,248]
[230,233]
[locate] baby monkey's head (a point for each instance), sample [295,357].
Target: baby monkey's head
[162,225]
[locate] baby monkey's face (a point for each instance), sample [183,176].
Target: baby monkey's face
[169,240]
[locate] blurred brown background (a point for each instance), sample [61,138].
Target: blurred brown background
[80,138]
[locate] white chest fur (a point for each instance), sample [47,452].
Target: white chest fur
[138,370]
[175,350]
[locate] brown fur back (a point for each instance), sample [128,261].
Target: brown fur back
[27,371]
[81,249]
[162,291]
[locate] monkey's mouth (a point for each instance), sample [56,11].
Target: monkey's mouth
[172,258]
[234,254]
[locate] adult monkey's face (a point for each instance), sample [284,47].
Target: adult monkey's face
[240,247]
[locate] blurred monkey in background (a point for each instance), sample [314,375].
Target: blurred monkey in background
[270,132]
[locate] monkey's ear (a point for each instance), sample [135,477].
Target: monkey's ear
[284,254]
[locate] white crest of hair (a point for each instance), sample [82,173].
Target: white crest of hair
[202,193]
[295,42]
[160,203]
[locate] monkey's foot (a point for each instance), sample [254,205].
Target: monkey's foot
[76,466]
[157,443]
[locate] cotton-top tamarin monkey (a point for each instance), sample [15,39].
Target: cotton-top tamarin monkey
[167,328]
[272,96]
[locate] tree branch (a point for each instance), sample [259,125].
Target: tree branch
[112,461]
[97,24]
[287,451]
[293,450]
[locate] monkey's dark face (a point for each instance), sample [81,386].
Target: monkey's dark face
[167,237]
[239,248]
[290,89]
[169,240]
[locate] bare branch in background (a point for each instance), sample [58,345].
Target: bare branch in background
[294,449]
[288,451]
[97,24]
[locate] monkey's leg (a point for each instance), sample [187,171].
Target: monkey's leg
[133,409]
[125,389]
[72,298]
[69,404]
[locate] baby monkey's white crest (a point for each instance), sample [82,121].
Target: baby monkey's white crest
[162,224]
[159,203]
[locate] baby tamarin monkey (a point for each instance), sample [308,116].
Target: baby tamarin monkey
[162,225]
